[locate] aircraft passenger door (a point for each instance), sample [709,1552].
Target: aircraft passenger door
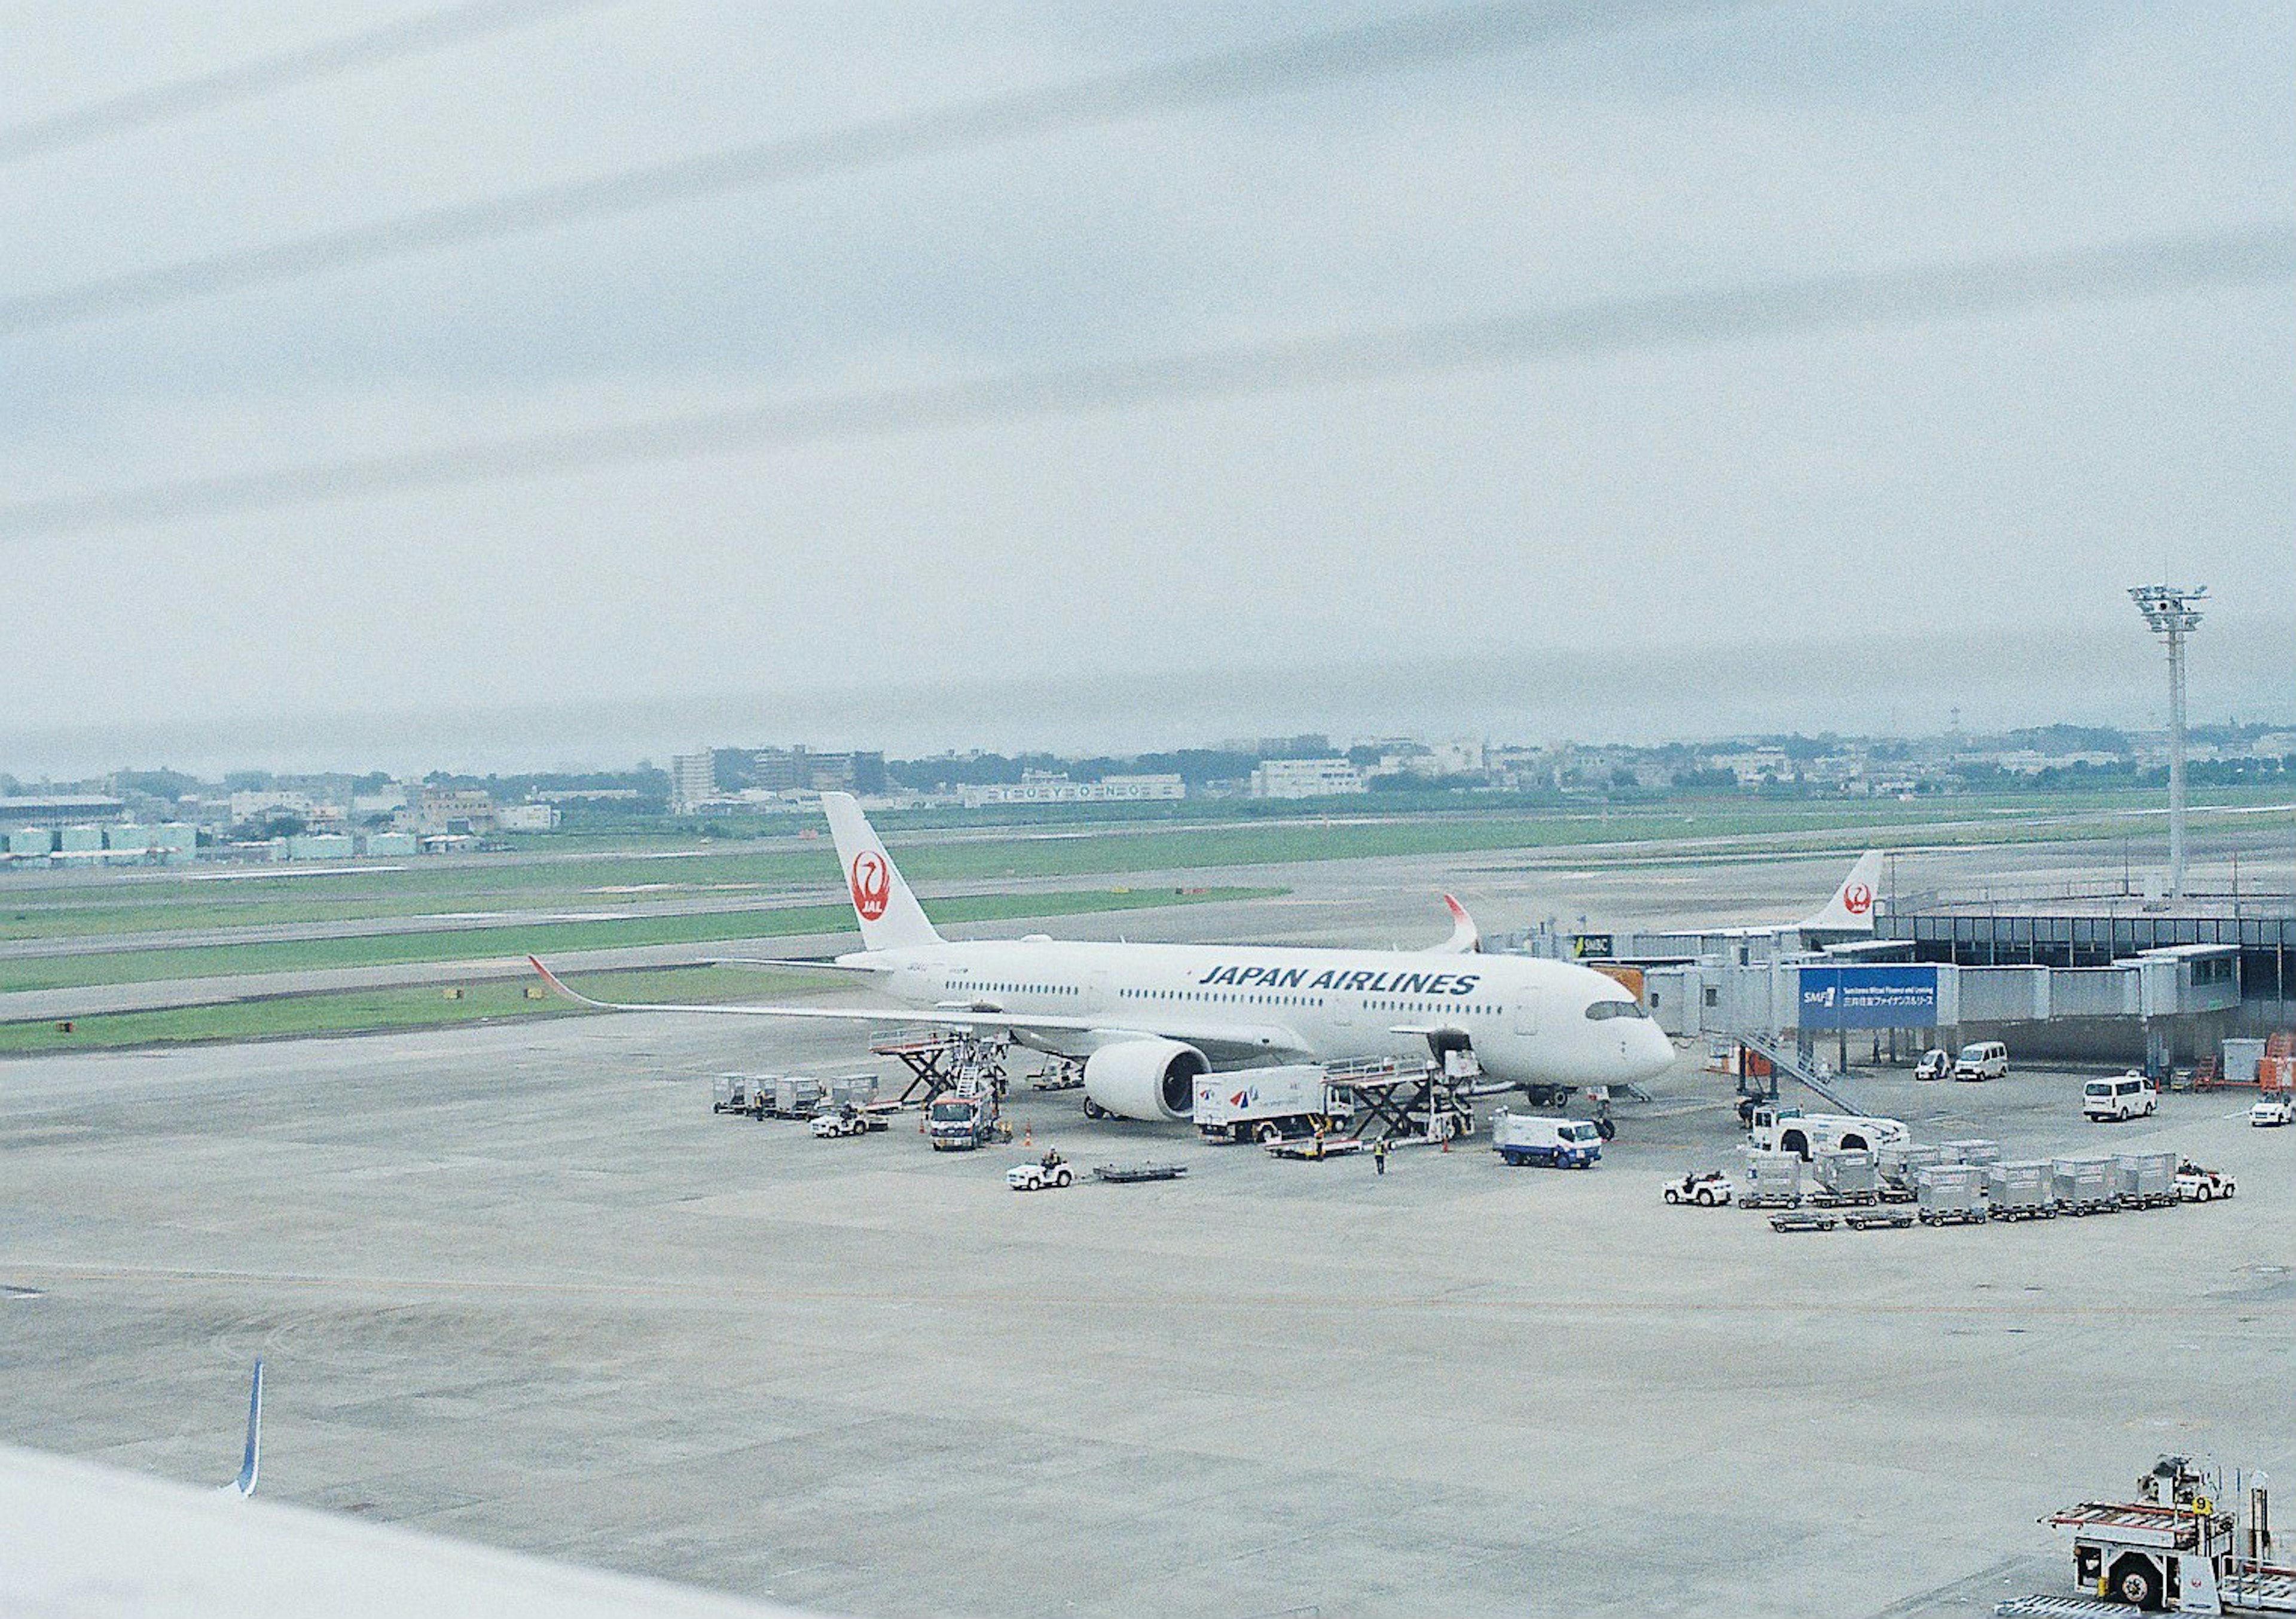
[1526,1012]
[1096,995]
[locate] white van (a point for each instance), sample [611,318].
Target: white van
[1984,1059]
[2131,1096]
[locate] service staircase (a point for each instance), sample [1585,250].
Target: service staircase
[1786,1060]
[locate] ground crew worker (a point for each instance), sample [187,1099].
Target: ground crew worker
[1379,1155]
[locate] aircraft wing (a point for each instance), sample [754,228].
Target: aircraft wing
[94,1542]
[855,969]
[1088,1033]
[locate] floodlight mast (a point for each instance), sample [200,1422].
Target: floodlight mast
[2173,612]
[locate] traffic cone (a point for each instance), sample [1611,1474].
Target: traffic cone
[1028,1135]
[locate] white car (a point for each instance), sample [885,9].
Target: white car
[1980,1060]
[1049,1172]
[2130,1096]
[2196,1184]
[1708,1188]
[1936,1063]
[2271,1111]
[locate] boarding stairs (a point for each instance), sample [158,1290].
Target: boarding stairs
[1786,1060]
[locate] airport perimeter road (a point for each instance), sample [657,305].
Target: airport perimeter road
[517,1284]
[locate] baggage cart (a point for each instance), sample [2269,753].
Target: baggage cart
[1772,1180]
[1981,1153]
[2148,1180]
[1897,1167]
[1879,1219]
[736,1093]
[791,1096]
[1803,1220]
[2025,1189]
[2085,1186]
[1950,1194]
[1848,1177]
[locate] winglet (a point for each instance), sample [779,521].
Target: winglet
[551,979]
[251,1458]
[1464,939]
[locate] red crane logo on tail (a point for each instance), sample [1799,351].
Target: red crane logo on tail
[1856,899]
[872,884]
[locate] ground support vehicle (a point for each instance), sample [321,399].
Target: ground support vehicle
[965,1118]
[1133,1174]
[2022,1191]
[1316,1149]
[1803,1220]
[1983,1060]
[1776,1129]
[1936,1063]
[792,1096]
[2085,1186]
[1879,1219]
[1060,1074]
[848,1121]
[1772,1180]
[2148,1180]
[1274,1104]
[2271,1111]
[1707,1189]
[1950,1194]
[2196,1184]
[2111,1101]
[942,1060]
[2174,1548]
[1549,1144]
[1398,1101]
[1048,1173]
[1847,1179]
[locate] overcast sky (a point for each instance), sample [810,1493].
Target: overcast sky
[1847,525]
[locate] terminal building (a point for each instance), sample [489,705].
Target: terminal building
[2093,974]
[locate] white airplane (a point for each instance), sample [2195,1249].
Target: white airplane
[1147,1019]
[1848,914]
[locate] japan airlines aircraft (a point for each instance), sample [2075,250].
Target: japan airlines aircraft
[1147,1019]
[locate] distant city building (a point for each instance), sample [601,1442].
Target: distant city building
[799,770]
[53,810]
[391,797]
[269,802]
[1306,779]
[692,782]
[1043,787]
[454,809]
[528,817]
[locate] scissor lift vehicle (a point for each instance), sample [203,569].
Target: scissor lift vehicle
[940,1059]
[2174,1550]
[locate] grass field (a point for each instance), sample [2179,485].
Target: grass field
[546,938]
[367,1012]
[585,876]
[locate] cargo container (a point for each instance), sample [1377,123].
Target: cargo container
[1981,1153]
[738,1092]
[1950,1194]
[1849,1176]
[788,1096]
[850,1090]
[2022,1191]
[2085,1186]
[1899,1165]
[2147,1179]
[1773,1179]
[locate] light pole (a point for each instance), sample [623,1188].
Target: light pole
[2173,612]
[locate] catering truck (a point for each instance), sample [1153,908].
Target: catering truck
[1265,1104]
[1551,1143]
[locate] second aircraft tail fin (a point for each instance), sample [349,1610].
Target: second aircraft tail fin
[889,915]
[1851,908]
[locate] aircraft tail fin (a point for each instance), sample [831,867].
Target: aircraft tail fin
[250,1458]
[1851,908]
[1464,939]
[889,915]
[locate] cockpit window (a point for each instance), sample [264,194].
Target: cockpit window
[1601,1010]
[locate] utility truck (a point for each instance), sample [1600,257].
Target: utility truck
[1551,1143]
[1773,1129]
[965,1118]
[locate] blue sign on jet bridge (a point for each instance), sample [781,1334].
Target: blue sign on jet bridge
[1869,997]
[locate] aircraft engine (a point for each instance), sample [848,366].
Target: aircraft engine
[1145,1079]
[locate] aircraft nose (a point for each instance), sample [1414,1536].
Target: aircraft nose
[1648,1054]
